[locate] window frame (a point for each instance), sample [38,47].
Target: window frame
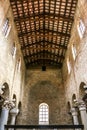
[6,27]
[81,28]
[74,51]
[19,64]
[43,114]
[68,65]
[13,50]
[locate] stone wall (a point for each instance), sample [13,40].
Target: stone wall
[44,87]
[10,72]
[39,86]
[78,74]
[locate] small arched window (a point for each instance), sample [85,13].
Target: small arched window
[81,28]
[74,51]
[43,114]
[68,65]
[13,50]
[6,27]
[19,64]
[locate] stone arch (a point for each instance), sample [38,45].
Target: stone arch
[6,90]
[14,96]
[81,90]
[14,99]
[73,99]
[68,107]
[19,107]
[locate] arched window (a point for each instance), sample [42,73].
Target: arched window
[6,27]
[43,114]
[81,28]
[19,64]
[13,50]
[74,51]
[68,65]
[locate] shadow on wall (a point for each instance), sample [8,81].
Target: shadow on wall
[19,114]
[69,116]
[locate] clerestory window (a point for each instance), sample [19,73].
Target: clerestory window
[13,50]
[19,64]
[6,27]
[81,28]
[74,51]
[68,65]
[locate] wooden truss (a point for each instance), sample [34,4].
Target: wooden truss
[44,28]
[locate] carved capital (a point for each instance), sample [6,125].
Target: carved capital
[8,104]
[79,103]
[82,106]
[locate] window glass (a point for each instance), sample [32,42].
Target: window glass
[69,66]
[81,28]
[74,51]
[13,50]
[6,27]
[43,114]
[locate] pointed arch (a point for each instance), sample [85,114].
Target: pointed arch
[81,90]
[68,107]
[5,89]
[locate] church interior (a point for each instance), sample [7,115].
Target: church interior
[43,62]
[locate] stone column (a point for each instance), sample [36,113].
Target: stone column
[13,113]
[4,117]
[5,112]
[75,116]
[82,109]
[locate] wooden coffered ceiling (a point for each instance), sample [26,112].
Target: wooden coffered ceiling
[44,28]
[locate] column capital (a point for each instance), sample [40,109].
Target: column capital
[14,111]
[8,104]
[82,106]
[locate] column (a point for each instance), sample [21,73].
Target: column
[75,116]
[82,109]
[4,117]
[13,113]
[5,113]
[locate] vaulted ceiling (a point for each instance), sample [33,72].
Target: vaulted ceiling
[44,29]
